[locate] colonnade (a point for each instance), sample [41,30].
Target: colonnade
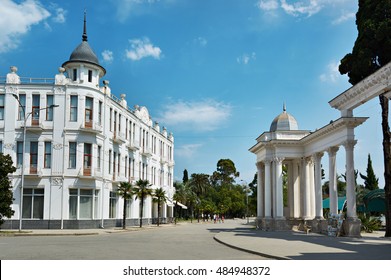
[304,181]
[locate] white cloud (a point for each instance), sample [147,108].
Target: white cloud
[332,74]
[207,115]
[127,7]
[187,151]
[142,48]
[17,19]
[201,41]
[344,17]
[60,15]
[300,8]
[268,5]
[246,58]
[309,7]
[107,56]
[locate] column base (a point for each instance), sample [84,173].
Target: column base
[352,227]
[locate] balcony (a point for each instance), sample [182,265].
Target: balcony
[146,151]
[118,137]
[91,127]
[133,145]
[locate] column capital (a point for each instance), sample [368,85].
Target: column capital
[318,156]
[278,160]
[349,144]
[332,151]
[259,164]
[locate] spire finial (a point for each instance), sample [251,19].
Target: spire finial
[284,107]
[84,37]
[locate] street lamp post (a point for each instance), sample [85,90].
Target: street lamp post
[26,116]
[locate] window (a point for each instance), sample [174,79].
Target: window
[113,205]
[22,106]
[110,161]
[72,155]
[1,146]
[119,123]
[48,155]
[99,158]
[115,122]
[2,100]
[119,163]
[35,115]
[19,153]
[114,158]
[74,77]
[33,200]
[49,109]
[90,76]
[83,204]
[111,119]
[33,157]
[89,111]
[87,155]
[73,108]
[100,113]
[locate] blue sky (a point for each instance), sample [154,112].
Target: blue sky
[215,73]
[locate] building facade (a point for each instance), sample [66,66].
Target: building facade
[77,142]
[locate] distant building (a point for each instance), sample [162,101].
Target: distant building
[77,154]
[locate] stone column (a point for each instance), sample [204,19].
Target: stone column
[296,188]
[352,226]
[260,191]
[279,205]
[268,194]
[303,184]
[307,189]
[318,186]
[333,193]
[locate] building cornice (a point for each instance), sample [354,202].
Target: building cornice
[370,87]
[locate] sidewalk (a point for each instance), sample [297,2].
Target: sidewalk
[301,246]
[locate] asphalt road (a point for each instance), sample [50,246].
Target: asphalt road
[181,242]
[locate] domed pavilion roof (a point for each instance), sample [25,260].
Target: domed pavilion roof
[284,122]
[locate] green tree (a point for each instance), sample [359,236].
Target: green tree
[6,198]
[371,51]
[180,196]
[159,198]
[226,172]
[142,191]
[370,180]
[185,176]
[199,184]
[126,191]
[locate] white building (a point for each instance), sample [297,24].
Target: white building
[77,153]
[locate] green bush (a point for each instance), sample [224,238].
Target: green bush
[369,223]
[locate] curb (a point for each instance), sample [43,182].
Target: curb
[249,251]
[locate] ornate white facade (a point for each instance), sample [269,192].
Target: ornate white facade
[77,154]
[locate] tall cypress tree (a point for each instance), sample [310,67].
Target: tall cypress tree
[370,181]
[371,51]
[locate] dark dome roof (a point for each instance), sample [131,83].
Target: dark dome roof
[84,53]
[284,121]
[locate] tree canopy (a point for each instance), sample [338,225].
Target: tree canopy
[6,198]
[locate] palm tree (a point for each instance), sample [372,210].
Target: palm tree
[179,196]
[159,197]
[142,191]
[199,184]
[126,191]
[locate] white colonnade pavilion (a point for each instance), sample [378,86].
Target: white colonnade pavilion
[302,151]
